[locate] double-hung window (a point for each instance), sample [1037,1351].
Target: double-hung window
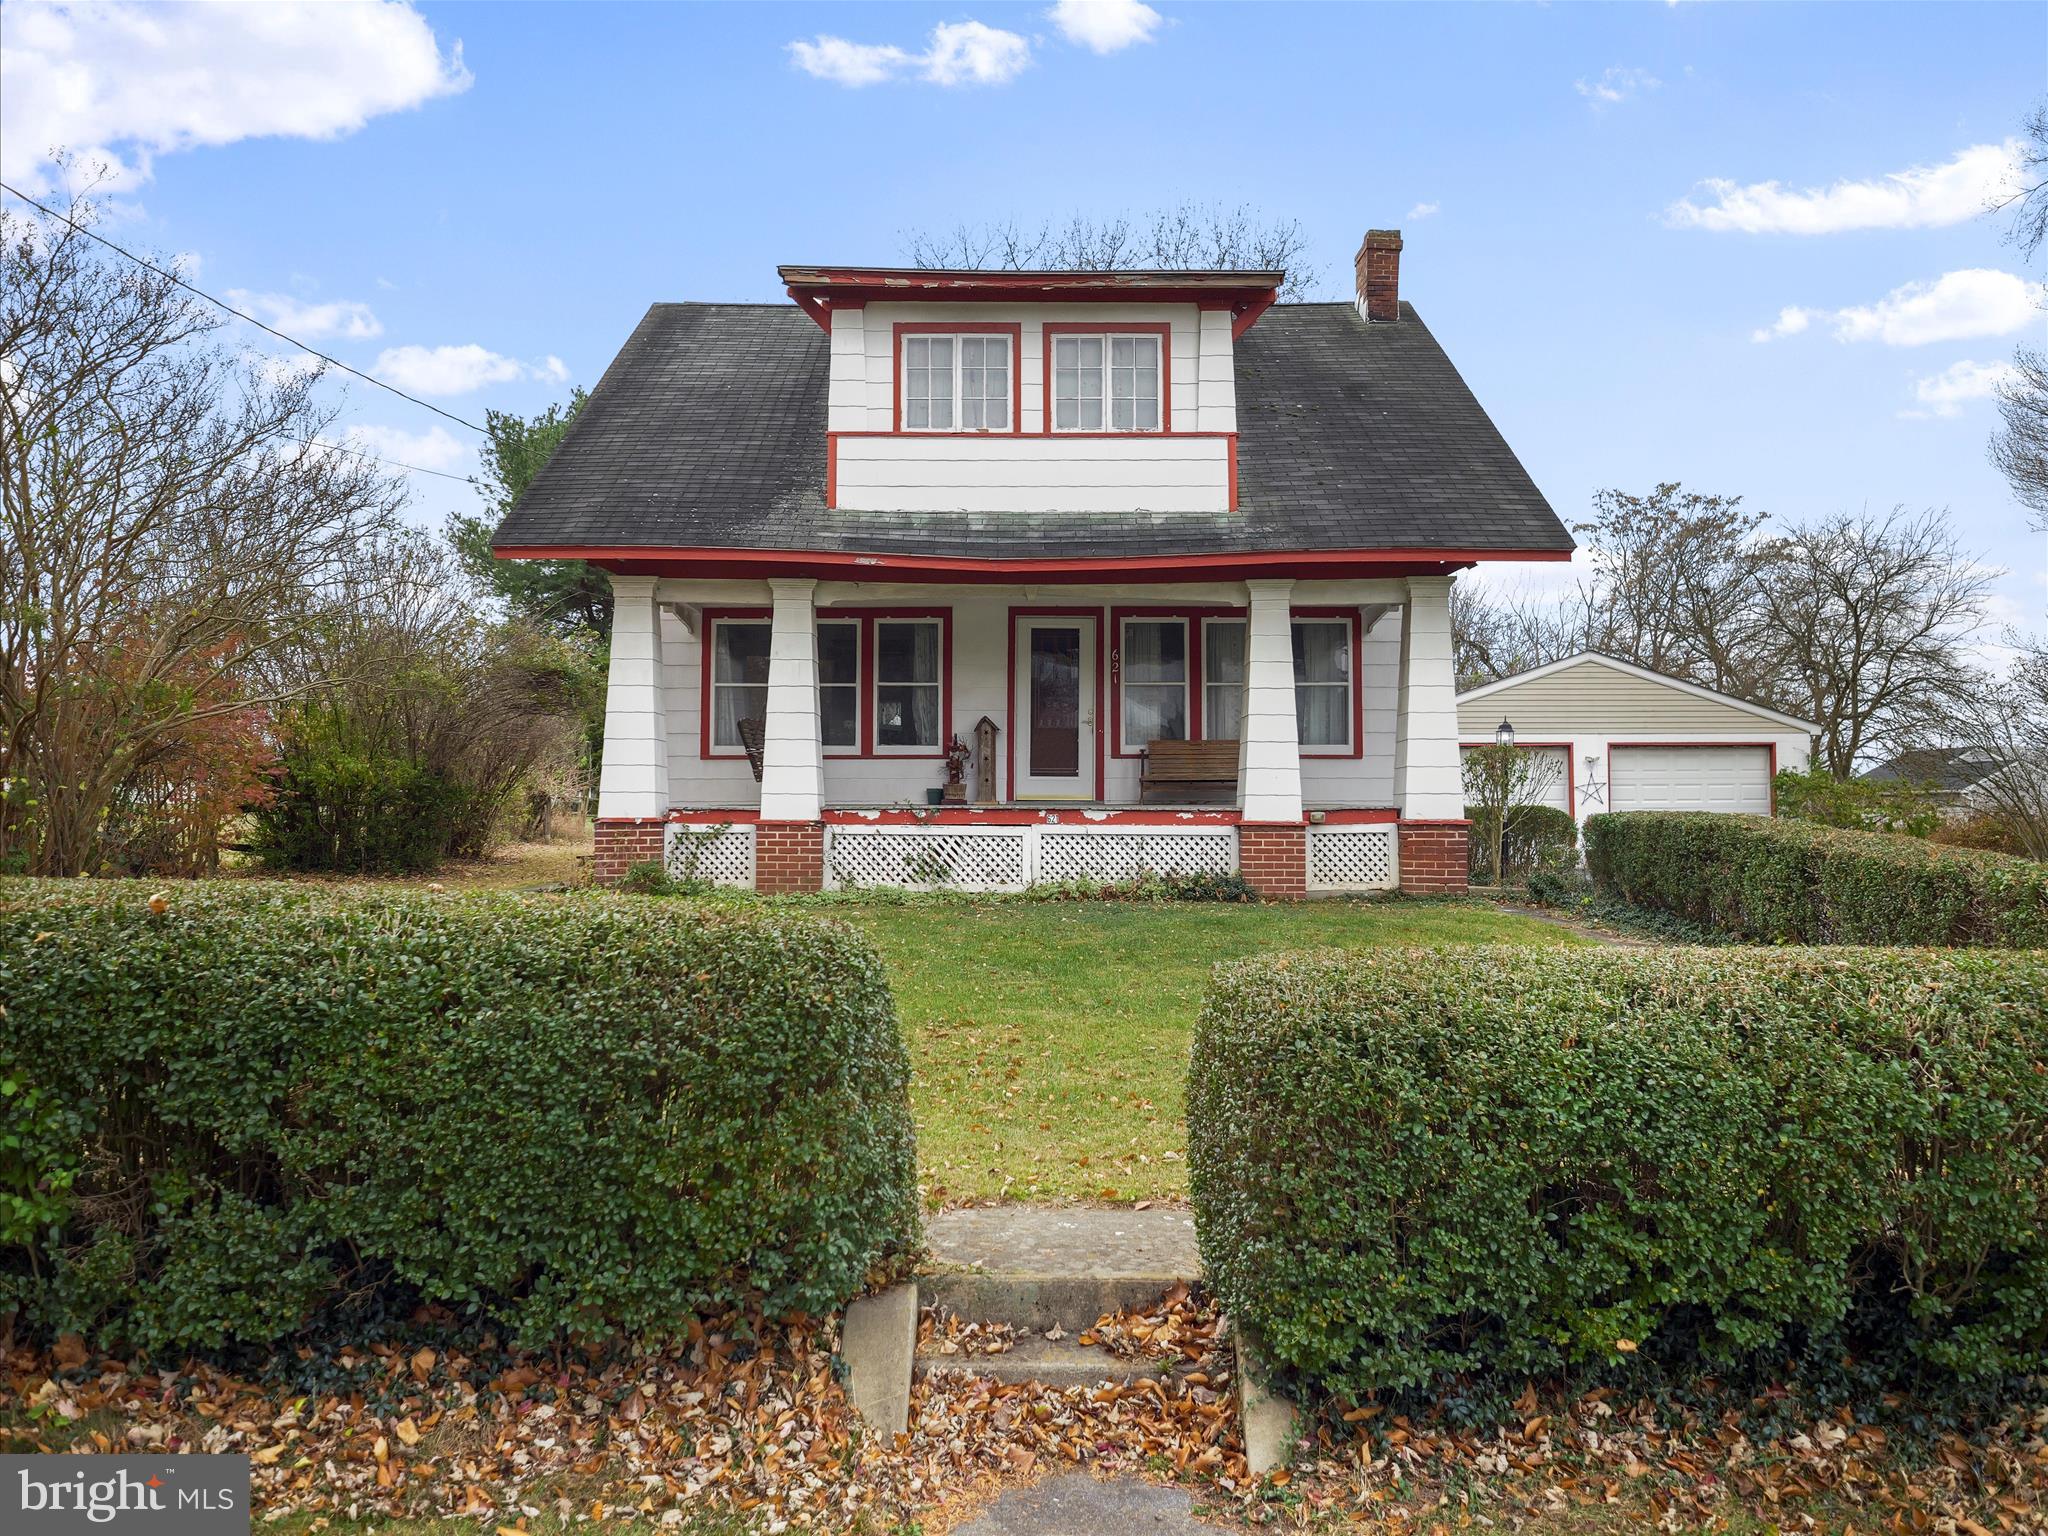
[1152,665]
[1106,383]
[839,683]
[739,678]
[956,383]
[1222,678]
[908,685]
[1323,681]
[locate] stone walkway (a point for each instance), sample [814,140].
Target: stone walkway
[1074,1240]
[1079,1505]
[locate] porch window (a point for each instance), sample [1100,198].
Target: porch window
[1105,383]
[739,678]
[956,383]
[1152,666]
[1222,678]
[1322,681]
[839,683]
[907,685]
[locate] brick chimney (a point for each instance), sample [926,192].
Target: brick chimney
[1379,275]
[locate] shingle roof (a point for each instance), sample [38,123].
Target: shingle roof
[708,431]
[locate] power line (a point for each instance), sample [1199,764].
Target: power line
[332,447]
[240,315]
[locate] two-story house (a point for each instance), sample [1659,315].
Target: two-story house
[1171,561]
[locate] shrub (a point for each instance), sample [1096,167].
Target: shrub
[1793,882]
[1538,837]
[1512,1160]
[1869,805]
[565,1115]
[343,809]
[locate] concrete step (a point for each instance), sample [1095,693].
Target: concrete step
[1051,1362]
[1034,1267]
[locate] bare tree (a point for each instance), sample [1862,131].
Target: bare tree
[2028,195]
[1677,575]
[2019,448]
[2005,719]
[1501,780]
[167,528]
[1875,615]
[1186,237]
[1496,636]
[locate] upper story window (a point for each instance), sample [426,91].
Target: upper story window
[957,383]
[1106,382]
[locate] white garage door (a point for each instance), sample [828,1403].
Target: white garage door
[1692,779]
[1551,781]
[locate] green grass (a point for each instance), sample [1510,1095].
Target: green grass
[1050,1039]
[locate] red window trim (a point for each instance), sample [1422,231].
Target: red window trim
[865,617]
[903,328]
[1193,614]
[1160,328]
[1769,746]
[1357,747]
[1010,687]
[1571,792]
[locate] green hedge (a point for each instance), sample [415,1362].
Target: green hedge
[1539,837]
[561,1115]
[1794,882]
[1409,1164]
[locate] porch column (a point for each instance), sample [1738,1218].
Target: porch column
[1272,836]
[789,842]
[633,788]
[1428,778]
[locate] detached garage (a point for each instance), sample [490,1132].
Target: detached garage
[1624,738]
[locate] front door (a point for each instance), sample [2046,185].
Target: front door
[1054,704]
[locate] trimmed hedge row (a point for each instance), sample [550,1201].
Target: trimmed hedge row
[562,1115]
[1410,1164]
[1796,882]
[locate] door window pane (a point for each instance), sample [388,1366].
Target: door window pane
[1153,668]
[839,684]
[907,661]
[739,678]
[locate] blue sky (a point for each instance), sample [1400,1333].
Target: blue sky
[480,200]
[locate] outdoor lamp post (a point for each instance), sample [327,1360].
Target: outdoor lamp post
[1504,775]
[1504,736]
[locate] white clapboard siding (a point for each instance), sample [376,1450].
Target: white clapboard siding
[1026,473]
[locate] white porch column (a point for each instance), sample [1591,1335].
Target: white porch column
[634,780]
[1428,780]
[792,761]
[1269,740]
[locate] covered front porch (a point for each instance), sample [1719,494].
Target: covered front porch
[794,734]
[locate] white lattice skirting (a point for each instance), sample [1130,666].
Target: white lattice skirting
[1011,858]
[723,855]
[1352,858]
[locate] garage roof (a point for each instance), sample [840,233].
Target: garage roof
[1630,669]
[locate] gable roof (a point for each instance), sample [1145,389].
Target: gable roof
[1630,669]
[708,432]
[1949,768]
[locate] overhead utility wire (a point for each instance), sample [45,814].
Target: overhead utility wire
[242,315]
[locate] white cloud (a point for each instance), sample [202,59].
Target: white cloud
[123,82]
[1947,392]
[1616,84]
[966,52]
[1424,210]
[346,318]
[1976,301]
[844,63]
[957,53]
[1104,26]
[1922,197]
[436,448]
[459,370]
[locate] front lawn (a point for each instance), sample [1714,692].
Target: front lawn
[1050,1039]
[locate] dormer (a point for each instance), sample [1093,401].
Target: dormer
[970,392]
